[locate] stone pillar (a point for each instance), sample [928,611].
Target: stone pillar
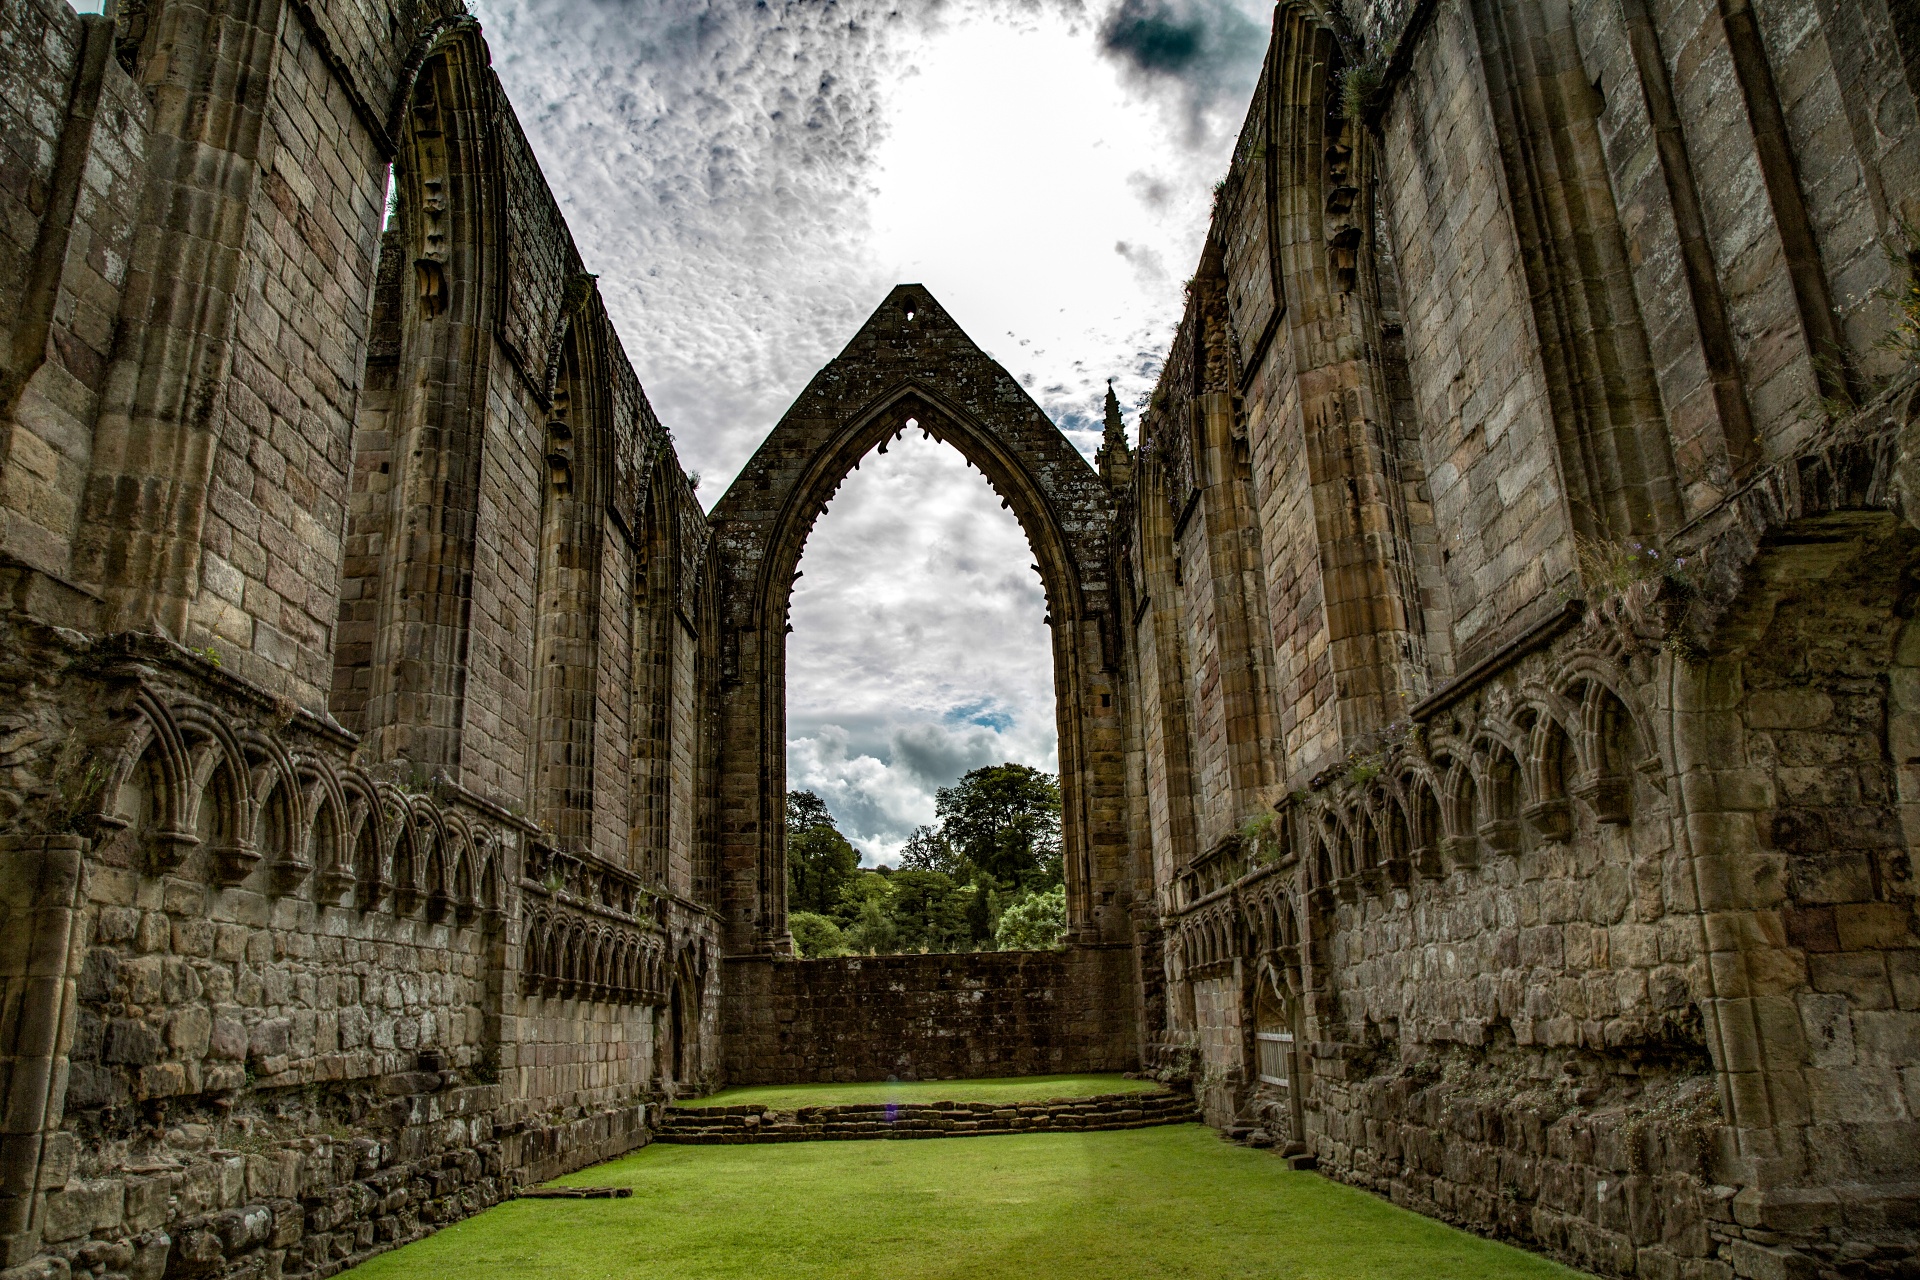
[154,445]
[40,952]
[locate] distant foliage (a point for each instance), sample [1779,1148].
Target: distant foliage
[820,861]
[995,850]
[927,849]
[1034,922]
[1004,819]
[815,937]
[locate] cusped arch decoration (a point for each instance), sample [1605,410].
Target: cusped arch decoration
[911,367]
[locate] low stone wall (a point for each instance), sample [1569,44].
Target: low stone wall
[421,1157]
[711,1126]
[1614,1173]
[931,1017]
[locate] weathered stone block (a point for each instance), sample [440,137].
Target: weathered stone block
[81,1208]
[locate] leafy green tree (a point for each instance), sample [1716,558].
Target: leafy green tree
[1034,922]
[1005,820]
[983,914]
[873,931]
[857,892]
[929,912]
[819,859]
[928,849]
[814,936]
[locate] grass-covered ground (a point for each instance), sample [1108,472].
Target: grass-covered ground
[789,1097]
[1137,1204]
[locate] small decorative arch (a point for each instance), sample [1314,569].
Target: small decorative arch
[148,783]
[324,800]
[220,793]
[1498,788]
[278,813]
[1395,835]
[1610,745]
[1426,831]
[1460,814]
[1549,755]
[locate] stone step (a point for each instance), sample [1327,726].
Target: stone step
[695,1126]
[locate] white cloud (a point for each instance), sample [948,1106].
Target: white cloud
[919,646]
[748,181]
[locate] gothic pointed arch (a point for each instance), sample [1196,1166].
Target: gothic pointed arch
[400,659]
[911,367]
[576,487]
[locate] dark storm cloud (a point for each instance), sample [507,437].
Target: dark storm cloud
[1146,262]
[1205,53]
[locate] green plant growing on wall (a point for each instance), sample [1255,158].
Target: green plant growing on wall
[1261,836]
[1903,296]
[1613,567]
[78,779]
[1362,79]
[1177,1061]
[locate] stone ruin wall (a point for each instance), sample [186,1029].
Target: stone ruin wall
[325,921]
[365,848]
[930,1017]
[1585,893]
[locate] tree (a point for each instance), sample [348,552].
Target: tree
[1005,820]
[1035,922]
[814,936]
[819,859]
[872,931]
[860,890]
[928,849]
[929,911]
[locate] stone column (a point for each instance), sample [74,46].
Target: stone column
[40,952]
[154,444]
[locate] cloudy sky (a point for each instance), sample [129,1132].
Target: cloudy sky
[749,180]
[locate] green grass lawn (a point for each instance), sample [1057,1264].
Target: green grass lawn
[1136,1204]
[789,1097]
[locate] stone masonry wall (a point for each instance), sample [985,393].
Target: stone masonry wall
[75,136]
[281,992]
[929,1017]
[1570,839]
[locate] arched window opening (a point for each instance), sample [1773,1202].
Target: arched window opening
[664,653]
[921,725]
[567,618]
[401,657]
